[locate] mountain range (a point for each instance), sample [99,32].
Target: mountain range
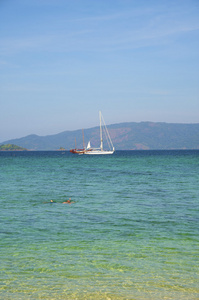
[125,136]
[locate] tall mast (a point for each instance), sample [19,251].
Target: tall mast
[83,138]
[100,117]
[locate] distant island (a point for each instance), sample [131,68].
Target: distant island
[11,147]
[125,136]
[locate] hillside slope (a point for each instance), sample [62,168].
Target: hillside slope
[125,136]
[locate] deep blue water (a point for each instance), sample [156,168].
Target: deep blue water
[132,231]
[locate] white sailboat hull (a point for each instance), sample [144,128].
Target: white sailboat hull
[98,152]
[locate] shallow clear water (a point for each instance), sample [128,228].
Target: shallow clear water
[131,233]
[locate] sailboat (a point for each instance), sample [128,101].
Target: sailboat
[101,151]
[78,151]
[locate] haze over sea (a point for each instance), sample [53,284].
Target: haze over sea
[131,233]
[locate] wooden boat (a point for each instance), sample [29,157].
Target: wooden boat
[78,151]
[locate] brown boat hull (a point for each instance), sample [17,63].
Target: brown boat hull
[77,151]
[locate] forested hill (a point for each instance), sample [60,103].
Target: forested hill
[11,147]
[125,136]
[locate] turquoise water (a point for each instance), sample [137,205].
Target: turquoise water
[131,233]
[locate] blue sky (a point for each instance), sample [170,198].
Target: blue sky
[61,61]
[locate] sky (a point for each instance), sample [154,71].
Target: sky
[61,61]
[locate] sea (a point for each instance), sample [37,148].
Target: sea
[131,230]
